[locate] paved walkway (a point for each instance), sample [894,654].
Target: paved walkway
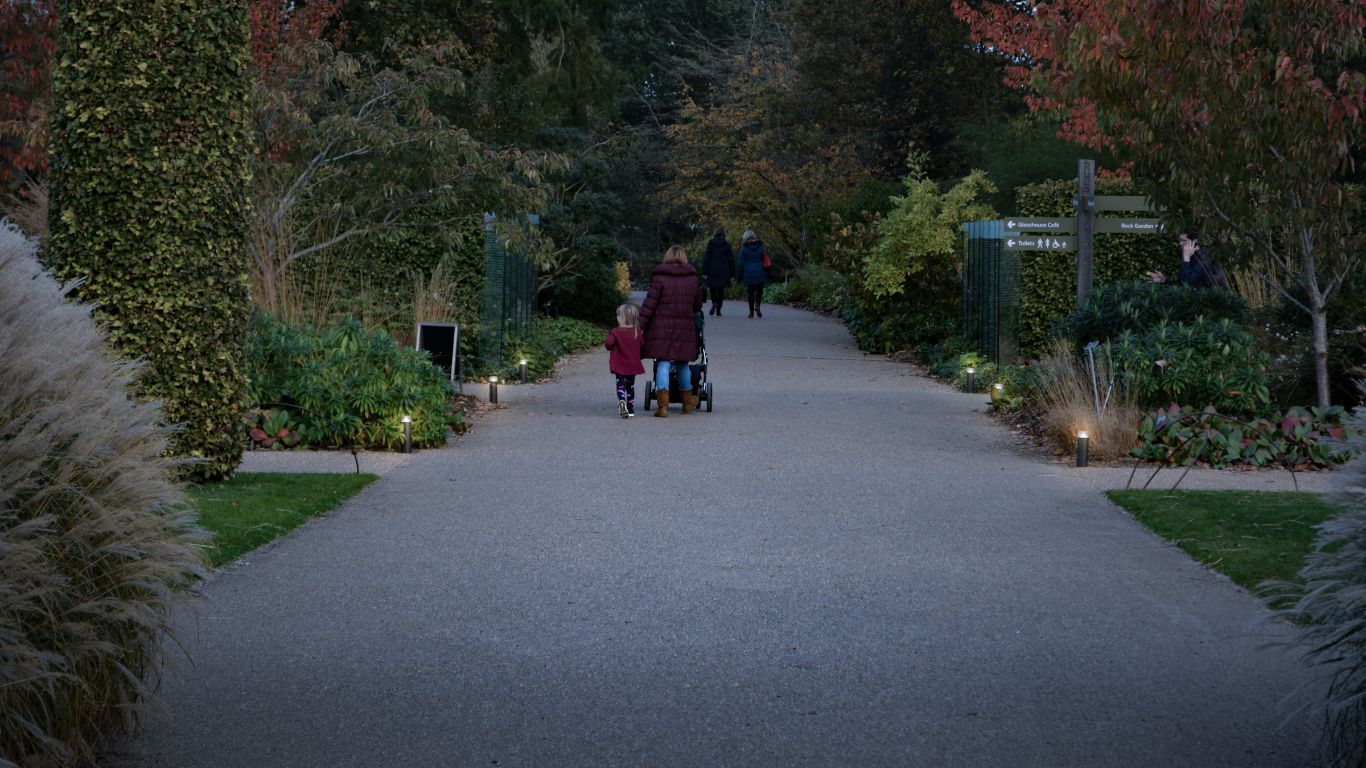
[844,565]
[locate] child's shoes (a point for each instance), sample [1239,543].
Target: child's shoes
[622,409]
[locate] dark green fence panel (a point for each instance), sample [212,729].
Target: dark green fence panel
[509,294]
[991,291]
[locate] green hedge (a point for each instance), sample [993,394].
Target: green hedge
[149,180]
[1048,280]
[354,386]
[375,280]
[548,339]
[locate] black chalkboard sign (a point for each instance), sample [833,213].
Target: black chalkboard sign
[442,342]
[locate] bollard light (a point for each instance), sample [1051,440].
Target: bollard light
[523,364]
[972,379]
[1082,438]
[493,389]
[407,434]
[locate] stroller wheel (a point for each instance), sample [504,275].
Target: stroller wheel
[710,397]
[649,393]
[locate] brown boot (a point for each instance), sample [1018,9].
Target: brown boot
[689,400]
[663,397]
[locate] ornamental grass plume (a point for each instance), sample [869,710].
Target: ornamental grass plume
[94,536]
[1074,400]
[1328,606]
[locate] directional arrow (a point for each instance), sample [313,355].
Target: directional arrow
[1041,244]
[1065,225]
[1130,226]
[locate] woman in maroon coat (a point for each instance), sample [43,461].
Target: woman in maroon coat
[666,318]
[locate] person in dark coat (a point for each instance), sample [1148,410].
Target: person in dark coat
[752,271]
[1197,267]
[718,267]
[666,318]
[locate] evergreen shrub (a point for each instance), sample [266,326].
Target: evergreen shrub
[548,339]
[820,288]
[592,294]
[1204,363]
[149,181]
[1138,307]
[352,386]
[779,293]
[93,533]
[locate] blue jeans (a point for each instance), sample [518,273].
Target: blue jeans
[662,375]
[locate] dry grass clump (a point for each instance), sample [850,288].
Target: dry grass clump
[1254,281]
[27,209]
[433,295]
[294,295]
[93,536]
[1073,401]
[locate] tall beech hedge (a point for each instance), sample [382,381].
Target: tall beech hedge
[1048,280]
[149,182]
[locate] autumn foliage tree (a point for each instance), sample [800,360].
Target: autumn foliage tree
[27,41]
[743,158]
[1243,114]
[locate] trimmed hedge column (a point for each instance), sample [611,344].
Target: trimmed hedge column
[149,176]
[1048,279]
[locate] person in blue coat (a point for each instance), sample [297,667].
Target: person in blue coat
[753,272]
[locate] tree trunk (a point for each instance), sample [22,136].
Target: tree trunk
[1319,319]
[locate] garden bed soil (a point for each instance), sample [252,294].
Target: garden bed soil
[475,408]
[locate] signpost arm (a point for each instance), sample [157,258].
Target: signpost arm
[1086,227]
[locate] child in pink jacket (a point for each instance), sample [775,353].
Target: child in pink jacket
[624,343]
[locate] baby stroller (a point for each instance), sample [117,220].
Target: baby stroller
[700,384]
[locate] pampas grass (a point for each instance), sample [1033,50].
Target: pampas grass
[94,538]
[1072,402]
[1329,609]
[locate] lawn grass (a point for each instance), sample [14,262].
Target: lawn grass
[256,507]
[1248,536]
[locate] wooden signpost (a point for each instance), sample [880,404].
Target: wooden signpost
[1040,233]
[1086,227]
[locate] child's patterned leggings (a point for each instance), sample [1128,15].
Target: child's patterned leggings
[626,389]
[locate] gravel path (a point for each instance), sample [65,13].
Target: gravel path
[844,565]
